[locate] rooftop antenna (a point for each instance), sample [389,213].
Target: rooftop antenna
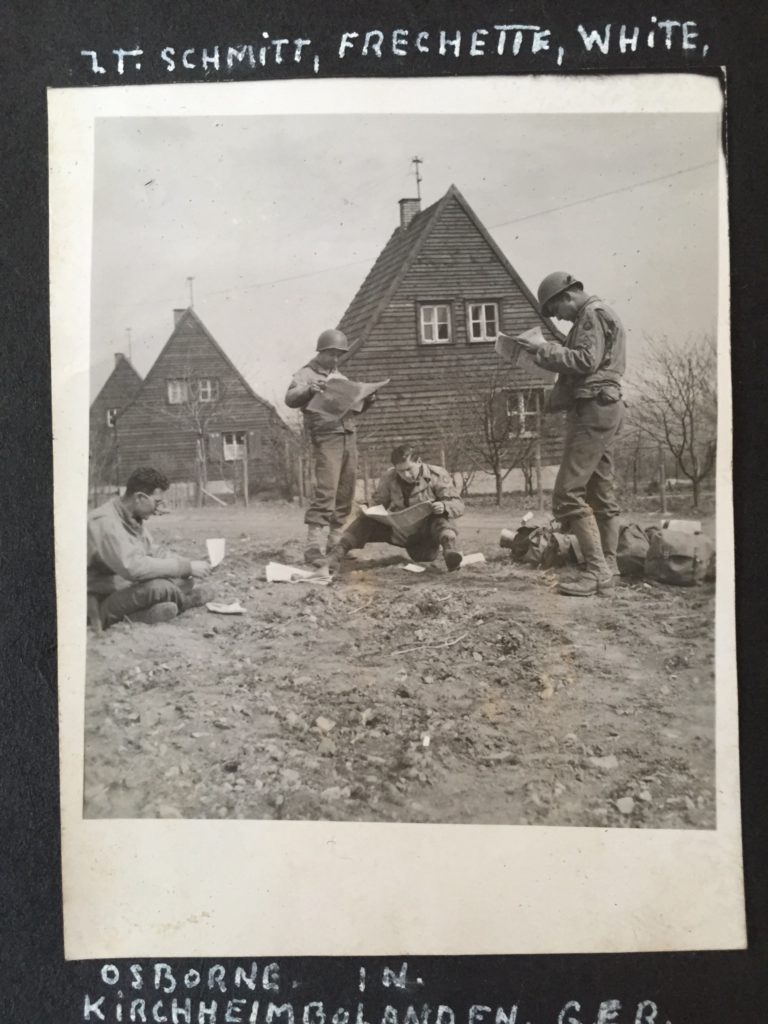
[130,348]
[191,292]
[416,161]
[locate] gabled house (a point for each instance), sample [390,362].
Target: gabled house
[427,316]
[122,385]
[197,419]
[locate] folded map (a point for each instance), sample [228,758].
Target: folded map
[511,351]
[342,396]
[403,523]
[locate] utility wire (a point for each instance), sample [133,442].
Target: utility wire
[514,220]
[602,195]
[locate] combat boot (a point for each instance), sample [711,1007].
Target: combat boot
[334,536]
[313,553]
[597,576]
[336,556]
[451,554]
[609,539]
[164,611]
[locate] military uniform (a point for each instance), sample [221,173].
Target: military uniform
[128,571]
[432,484]
[334,449]
[590,365]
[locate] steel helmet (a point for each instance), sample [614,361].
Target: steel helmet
[333,339]
[554,284]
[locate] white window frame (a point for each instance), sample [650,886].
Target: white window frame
[112,417]
[522,406]
[482,319]
[429,322]
[234,445]
[178,391]
[208,389]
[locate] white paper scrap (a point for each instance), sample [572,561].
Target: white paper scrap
[226,609]
[216,547]
[279,573]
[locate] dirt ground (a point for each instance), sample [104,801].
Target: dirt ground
[476,696]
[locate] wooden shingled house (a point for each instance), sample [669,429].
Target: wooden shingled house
[198,420]
[119,389]
[427,316]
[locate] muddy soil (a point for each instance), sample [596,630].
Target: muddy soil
[477,696]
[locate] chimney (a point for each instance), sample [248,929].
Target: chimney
[177,315]
[408,210]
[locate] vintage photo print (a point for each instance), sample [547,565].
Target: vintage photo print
[393,517]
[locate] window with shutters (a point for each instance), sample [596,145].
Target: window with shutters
[234,445]
[435,324]
[482,321]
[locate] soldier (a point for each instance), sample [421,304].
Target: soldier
[333,447]
[408,482]
[590,365]
[130,576]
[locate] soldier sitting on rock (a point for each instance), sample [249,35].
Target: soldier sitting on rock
[129,574]
[409,482]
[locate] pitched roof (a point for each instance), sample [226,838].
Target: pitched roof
[396,258]
[190,315]
[123,382]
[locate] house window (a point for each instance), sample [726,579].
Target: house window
[207,389]
[483,321]
[178,392]
[111,417]
[233,446]
[435,324]
[523,411]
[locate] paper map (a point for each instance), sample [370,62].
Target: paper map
[342,396]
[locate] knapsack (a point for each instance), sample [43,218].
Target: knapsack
[682,559]
[632,549]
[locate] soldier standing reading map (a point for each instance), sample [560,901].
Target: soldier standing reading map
[333,446]
[589,365]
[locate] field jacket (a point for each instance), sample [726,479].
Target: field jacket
[121,551]
[592,359]
[433,484]
[298,396]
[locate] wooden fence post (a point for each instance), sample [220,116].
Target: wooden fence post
[366,474]
[300,473]
[537,458]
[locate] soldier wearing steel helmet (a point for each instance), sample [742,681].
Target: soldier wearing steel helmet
[333,447]
[589,365]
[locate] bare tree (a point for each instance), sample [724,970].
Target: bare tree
[676,403]
[497,435]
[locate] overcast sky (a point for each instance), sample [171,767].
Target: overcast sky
[279,218]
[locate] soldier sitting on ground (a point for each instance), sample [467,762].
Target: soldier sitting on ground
[130,575]
[407,483]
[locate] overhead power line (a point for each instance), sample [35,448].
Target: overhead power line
[602,195]
[514,220]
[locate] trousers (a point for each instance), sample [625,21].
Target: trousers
[585,479]
[335,475]
[121,604]
[423,546]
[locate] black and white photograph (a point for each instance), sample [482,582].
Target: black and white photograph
[405,483]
